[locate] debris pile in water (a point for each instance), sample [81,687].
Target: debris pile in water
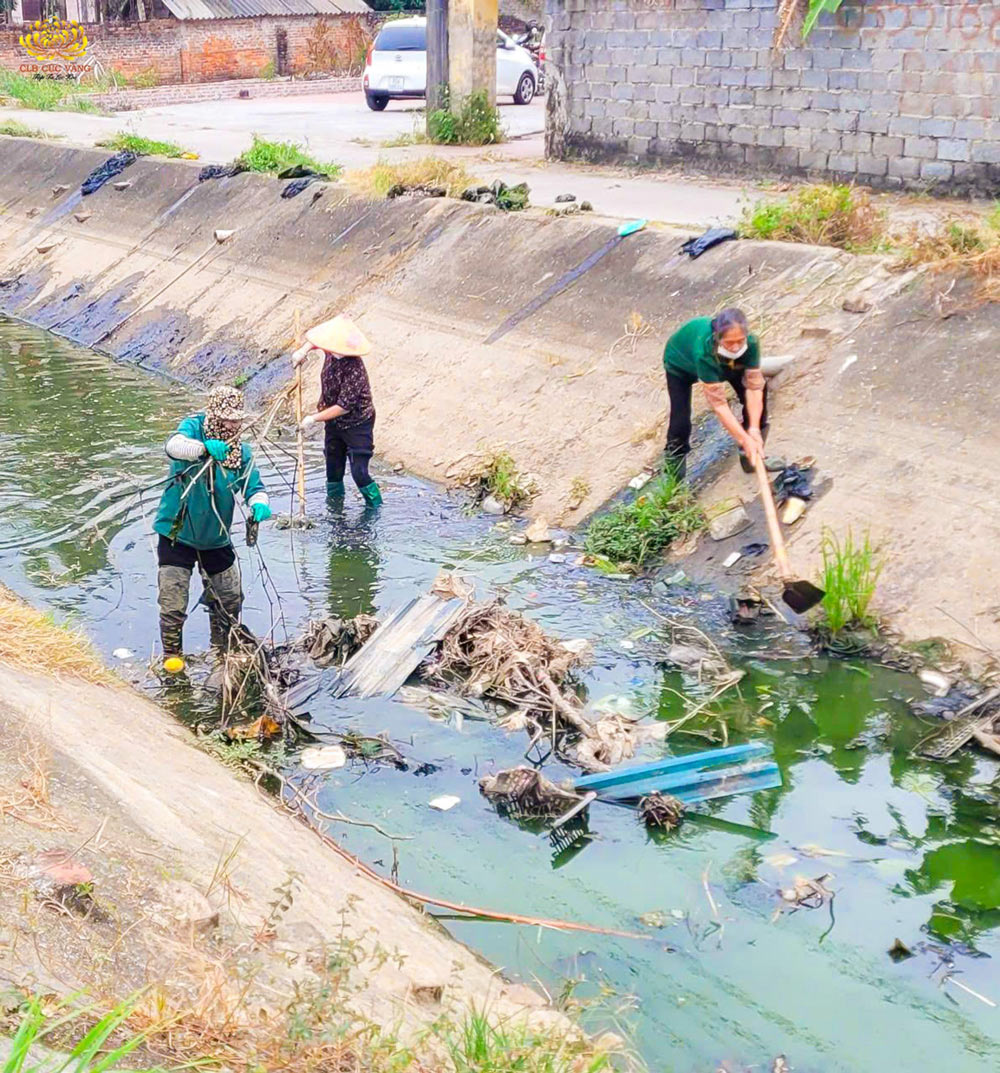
[331,641]
[524,791]
[661,811]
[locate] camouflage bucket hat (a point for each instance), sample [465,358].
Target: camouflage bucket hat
[225,404]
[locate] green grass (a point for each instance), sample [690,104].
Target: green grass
[265,156]
[45,94]
[477,1046]
[498,476]
[849,578]
[822,214]
[141,146]
[637,531]
[993,220]
[90,1051]
[13,129]
[478,123]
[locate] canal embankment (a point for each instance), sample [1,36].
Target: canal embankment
[490,332]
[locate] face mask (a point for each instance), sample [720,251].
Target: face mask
[732,355]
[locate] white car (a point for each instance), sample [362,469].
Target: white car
[396,66]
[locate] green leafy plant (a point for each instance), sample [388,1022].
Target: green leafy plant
[476,123]
[145,79]
[849,578]
[265,156]
[497,475]
[815,9]
[141,146]
[268,71]
[43,94]
[635,532]
[823,214]
[94,1051]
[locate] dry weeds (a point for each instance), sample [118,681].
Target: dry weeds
[30,800]
[958,247]
[425,173]
[32,641]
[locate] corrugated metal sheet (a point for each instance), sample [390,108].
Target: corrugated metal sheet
[248,9]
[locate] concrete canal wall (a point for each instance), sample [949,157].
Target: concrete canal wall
[897,404]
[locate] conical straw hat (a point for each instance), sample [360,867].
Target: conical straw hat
[339,336]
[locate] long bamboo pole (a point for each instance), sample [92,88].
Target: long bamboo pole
[301,467]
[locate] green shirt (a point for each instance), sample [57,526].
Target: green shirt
[691,351]
[193,520]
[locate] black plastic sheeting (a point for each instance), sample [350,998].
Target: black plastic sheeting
[111,167]
[220,171]
[795,481]
[695,247]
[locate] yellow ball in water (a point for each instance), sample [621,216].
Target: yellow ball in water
[173,665]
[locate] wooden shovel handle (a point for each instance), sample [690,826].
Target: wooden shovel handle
[773,525]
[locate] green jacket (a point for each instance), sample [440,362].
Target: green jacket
[690,351]
[192,520]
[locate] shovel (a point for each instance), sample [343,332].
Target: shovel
[798,594]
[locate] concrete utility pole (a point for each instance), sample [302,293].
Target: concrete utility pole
[437,54]
[472,50]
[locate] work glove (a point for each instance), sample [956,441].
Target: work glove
[260,512]
[308,421]
[218,449]
[300,355]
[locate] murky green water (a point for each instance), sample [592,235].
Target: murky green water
[912,848]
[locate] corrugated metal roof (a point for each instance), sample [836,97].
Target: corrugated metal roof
[248,9]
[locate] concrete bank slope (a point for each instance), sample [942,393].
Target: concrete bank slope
[897,404]
[187,809]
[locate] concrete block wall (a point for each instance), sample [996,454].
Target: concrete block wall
[893,93]
[211,50]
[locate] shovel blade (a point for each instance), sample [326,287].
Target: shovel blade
[801,595]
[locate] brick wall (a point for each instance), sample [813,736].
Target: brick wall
[171,51]
[886,92]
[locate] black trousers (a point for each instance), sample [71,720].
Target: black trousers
[357,444]
[679,387]
[210,561]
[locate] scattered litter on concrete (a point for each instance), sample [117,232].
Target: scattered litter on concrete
[220,171]
[640,480]
[221,234]
[794,509]
[123,185]
[695,247]
[506,198]
[111,167]
[47,247]
[402,190]
[729,523]
[848,362]
[732,559]
[82,217]
[293,189]
[59,867]
[445,802]
[794,480]
[323,757]
[562,198]
[754,548]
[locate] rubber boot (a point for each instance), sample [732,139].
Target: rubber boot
[372,495]
[335,489]
[223,600]
[174,585]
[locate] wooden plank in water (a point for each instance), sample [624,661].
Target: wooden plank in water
[674,764]
[398,646]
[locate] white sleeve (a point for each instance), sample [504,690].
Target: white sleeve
[259,497]
[183,448]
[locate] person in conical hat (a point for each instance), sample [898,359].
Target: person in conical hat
[345,406]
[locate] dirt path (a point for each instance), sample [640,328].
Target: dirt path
[172,837]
